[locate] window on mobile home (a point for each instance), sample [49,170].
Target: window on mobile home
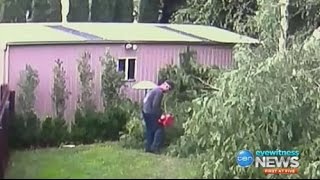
[128,66]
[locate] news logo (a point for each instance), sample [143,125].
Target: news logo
[245,158]
[272,162]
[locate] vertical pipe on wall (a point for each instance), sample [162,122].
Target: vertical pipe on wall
[5,67]
[3,56]
[2,59]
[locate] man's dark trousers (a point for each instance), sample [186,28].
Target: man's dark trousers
[153,141]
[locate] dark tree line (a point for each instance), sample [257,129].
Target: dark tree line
[232,15]
[101,10]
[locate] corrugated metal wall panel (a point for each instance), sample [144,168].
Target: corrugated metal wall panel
[219,56]
[150,58]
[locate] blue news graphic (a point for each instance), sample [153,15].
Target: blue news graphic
[277,153]
[245,158]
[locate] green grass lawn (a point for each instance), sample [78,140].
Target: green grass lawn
[97,161]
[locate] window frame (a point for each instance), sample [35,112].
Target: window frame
[126,68]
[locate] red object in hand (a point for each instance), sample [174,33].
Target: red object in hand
[166,120]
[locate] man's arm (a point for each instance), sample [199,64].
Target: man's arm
[156,104]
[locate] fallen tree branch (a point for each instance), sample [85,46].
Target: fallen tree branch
[315,69]
[205,83]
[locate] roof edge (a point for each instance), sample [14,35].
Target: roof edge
[116,42]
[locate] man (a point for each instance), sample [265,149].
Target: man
[152,112]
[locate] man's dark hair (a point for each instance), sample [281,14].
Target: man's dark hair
[171,84]
[160,81]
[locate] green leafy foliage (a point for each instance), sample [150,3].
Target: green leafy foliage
[12,11]
[191,79]
[60,93]
[124,11]
[54,132]
[85,100]
[54,11]
[133,135]
[117,120]
[89,126]
[102,11]
[16,130]
[29,80]
[189,76]
[112,11]
[27,131]
[24,130]
[181,114]
[225,14]
[78,11]
[304,15]
[169,7]
[46,11]
[149,11]
[39,8]
[111,80]
[250,17]
[32,124]
[92,126]
[270,104]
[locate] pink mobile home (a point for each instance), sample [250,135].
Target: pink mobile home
[141,50]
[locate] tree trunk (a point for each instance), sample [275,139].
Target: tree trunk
[284,25]
[78,11]
[149,11]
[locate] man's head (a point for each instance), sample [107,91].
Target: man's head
[167,86]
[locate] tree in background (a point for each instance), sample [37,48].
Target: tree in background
[46,11]
[244,114]
[149,11]
[39,10]
[112,11]
[169,7]
[124,11]
[239,16]
[111,80]
[303,16]
[14,10]
[102,10]
[26,96]
[54,11]
[158,10]
[86,75]
[60,93]
[221,13]
[78,11]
